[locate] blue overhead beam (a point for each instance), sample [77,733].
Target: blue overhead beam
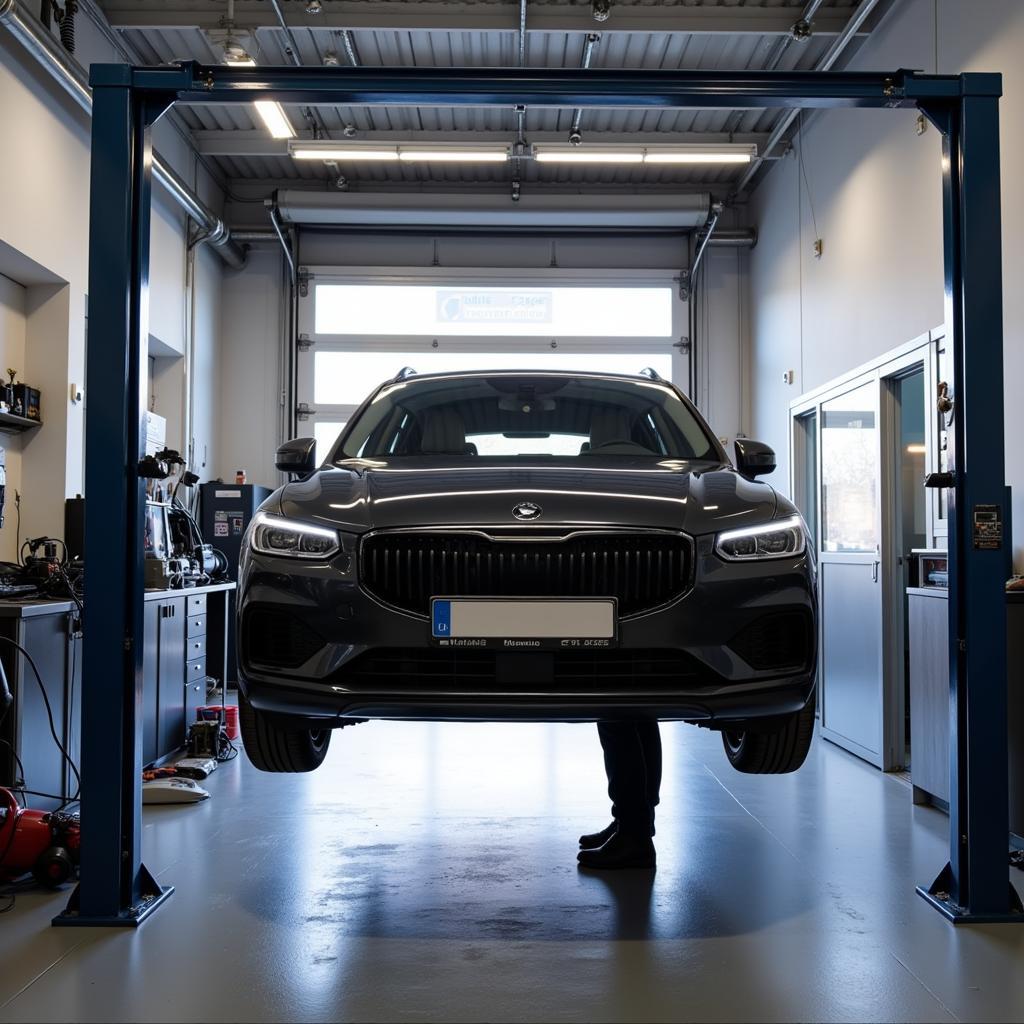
[115,887]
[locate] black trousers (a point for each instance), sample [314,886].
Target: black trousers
[632,761]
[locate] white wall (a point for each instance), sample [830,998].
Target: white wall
[44,228]
[251,384]
[874,186]
[13,300]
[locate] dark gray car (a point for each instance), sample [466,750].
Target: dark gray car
[539,546]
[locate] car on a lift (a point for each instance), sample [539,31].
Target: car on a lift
[532,546]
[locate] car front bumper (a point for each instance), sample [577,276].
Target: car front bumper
[718,687]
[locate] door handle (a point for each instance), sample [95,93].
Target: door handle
[874,571]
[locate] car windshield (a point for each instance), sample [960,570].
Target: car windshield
[511,416]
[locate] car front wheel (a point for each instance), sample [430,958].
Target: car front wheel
[772,752]
[274,747]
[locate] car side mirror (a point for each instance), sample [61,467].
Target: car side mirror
[753,458]
[297,455]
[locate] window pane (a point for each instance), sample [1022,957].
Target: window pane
[443,310]
[326,433]
[522,414]
[346,378]
[541,444]
[849,471]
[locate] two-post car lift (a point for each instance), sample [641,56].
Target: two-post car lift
[115,888]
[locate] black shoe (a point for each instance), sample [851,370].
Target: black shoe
[595,839]
[621,851]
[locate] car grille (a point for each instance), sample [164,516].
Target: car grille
[642,570]
[277,638]
[463,670]
[775,641]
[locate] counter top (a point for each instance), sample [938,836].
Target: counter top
[29,606]
[1012,596]
[209,588]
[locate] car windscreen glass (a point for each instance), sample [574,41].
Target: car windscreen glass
[527,415]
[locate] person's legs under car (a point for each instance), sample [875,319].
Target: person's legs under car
[632,758]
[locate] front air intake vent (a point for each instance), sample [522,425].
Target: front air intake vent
[642,570]
[621,671]
[279,638]
[780,640]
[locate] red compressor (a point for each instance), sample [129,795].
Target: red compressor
[43,842]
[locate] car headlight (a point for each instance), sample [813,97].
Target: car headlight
[778,539]
[275,535]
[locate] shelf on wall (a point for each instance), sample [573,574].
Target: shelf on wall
[12,424]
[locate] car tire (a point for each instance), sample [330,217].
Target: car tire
[773,752]
[273,747]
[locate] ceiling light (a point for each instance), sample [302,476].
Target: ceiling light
[682,154]
[308,151]
[699,156]
[275,119]
[494,156]
[236,55]
[582,155]
[449,154]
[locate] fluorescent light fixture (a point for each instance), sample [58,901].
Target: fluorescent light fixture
[580,155]
[308,151]
[668,156]
[916,449]
[682,154]
[447,154]
[490,156]
[275,119]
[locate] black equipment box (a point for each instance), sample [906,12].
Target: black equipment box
[226,511]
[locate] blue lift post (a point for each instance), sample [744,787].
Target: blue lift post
[114,886]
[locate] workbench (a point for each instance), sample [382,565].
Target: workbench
[185,665]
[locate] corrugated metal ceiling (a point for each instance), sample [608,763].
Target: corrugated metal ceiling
[742,50]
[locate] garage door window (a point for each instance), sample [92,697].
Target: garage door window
[568,312]
[346,377]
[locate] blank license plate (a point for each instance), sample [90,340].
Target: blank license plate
[528,623]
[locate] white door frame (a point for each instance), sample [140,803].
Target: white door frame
[886,369]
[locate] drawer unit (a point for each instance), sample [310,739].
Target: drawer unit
[196,604]
[195,698]
[195,647]
[195,671]
[196,625]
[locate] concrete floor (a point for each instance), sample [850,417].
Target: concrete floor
[428,872]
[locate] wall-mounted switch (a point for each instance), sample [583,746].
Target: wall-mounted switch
[788,377]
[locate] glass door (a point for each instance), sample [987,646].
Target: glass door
[850,564]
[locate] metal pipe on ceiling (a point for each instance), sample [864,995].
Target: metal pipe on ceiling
[349,45]
[522,33]
[311,114]
[593,38]
[705,237]
[825,63]
[68,73]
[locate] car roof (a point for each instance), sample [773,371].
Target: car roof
[407,376]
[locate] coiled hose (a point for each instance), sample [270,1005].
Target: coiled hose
[66,21]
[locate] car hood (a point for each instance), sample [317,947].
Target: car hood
[697,497]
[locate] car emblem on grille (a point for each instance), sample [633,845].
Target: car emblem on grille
[527,510]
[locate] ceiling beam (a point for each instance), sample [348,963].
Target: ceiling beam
[466,16]
[258,143]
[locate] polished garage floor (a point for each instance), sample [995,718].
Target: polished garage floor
[427,872]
